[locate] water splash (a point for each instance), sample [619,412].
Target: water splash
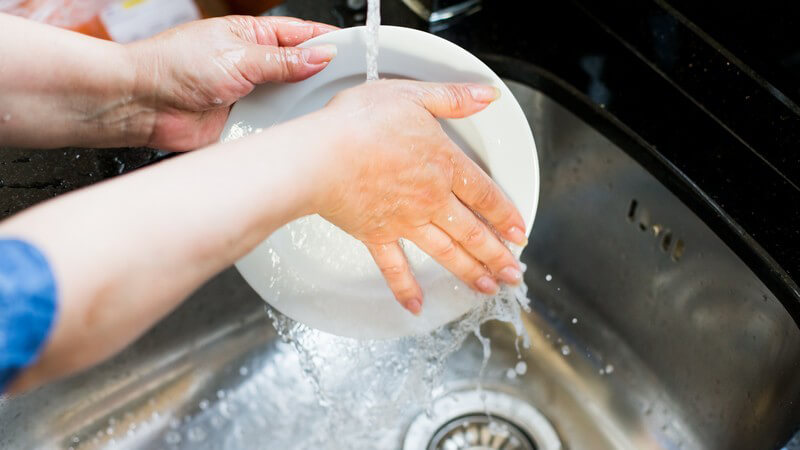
[367,384]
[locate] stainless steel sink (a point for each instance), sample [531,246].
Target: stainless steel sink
[647,333]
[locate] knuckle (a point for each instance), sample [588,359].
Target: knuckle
[393,270]
[406,293]
[455,97]
[487,197]
[288,59]
[499,259]
[475,235]
[446,252]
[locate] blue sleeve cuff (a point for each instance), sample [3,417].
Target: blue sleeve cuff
[27,306]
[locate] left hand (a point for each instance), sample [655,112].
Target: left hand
[189,76]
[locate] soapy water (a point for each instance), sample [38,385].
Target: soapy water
[373,26]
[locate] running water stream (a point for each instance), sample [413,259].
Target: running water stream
[373,26]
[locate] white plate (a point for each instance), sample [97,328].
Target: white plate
[315,273]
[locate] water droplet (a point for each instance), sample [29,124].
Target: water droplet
[217,421]
[609,368]
[521,367]
[574,320]
[220,394]
[172,438]
[243,371]
[565,350]
[196,434]
[203,404]
[548,277]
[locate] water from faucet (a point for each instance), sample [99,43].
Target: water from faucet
[373,25]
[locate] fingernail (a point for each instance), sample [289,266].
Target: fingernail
[320,54]
[511,275]
[487,285]
[482,93]
[517,236]
[414,306]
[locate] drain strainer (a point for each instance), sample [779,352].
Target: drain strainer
[480,433]
[458,421]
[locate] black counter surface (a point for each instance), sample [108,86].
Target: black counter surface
[703,94]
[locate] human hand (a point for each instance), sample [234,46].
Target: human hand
[391,172]
[190,75]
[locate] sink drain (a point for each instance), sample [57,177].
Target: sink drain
[480,433]
[458,421]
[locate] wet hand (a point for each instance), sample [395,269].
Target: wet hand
[189,76]
[393,173]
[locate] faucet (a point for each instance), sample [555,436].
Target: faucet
[435,11]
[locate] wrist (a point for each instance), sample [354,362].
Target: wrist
[83,88]
[130,111]
[117,113]
[319,159]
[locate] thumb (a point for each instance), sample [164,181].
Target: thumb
[266,63]
[452,101]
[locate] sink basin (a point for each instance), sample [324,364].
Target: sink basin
[647,332]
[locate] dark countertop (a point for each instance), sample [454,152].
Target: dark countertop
[706,108]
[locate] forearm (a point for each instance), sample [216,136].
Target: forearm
[59,88]
[126,252]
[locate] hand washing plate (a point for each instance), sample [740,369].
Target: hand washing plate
[320,276]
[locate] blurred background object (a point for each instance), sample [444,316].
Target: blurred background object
[128,20]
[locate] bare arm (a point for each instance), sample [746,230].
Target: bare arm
[172,91]
[59,88]
[125,252]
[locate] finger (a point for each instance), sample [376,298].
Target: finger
[393,263]
[435,242]
[454,100]
[476,190]
[287,31]
[272,30]
[478,240]
[267,63]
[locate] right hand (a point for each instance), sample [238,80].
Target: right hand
[393,173]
